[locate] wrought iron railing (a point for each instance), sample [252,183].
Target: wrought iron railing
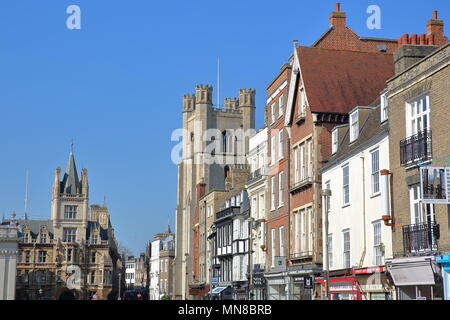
[420,238]
[416,149]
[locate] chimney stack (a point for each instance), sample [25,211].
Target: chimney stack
[435,30]
[337,18]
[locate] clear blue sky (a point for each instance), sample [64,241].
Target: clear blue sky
[115,87]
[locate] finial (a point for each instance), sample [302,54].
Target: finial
[71,146]
[104,201]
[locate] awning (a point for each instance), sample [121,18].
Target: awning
[217,290]
[411,271]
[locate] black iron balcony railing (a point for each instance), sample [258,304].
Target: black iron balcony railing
[420,238]
[255,175]
[416,149]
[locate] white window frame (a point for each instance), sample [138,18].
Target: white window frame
[334,141]
[345,185]
[415,116]
[280,105]
[302,161]
[281,177]
[375,171]
[273,150]
[384,109]
[296,166]
[310,158]
[272,196]
[354,125]
[303,230]
[303,102]
[377,240]
[280,144]
[272,108]
[281,235]
[310,229]
[346,252]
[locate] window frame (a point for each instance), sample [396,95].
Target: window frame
[375,172]
[345,187]
[354,125]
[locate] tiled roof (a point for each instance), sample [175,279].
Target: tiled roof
[338,80]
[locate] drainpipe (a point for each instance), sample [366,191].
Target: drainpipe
[363,255]
[385,197]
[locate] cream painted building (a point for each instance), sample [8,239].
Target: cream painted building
[256,189]
[358,241]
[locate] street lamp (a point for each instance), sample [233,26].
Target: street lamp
[326,193]
[250,258]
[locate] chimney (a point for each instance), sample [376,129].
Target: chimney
[435,30]
[408,54]
[337,18]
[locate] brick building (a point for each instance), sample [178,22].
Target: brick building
[277,201]
[418,99]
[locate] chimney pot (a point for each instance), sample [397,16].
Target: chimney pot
[435,15]
[338,7]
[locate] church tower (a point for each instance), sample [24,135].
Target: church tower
[70,201]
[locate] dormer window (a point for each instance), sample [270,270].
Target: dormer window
[26,237]
[384,107]
[354,126]
[334,141]
[43,238]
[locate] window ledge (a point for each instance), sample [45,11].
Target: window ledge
[346,205]
[375,195]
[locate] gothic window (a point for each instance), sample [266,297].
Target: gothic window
[69,234]
[70,212]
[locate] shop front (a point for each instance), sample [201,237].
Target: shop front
[416,278]
[277,286]
[342,286]
[373,283]
[444,261]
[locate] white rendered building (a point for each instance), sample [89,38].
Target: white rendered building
[358,239]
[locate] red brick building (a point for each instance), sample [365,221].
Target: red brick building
[277,198]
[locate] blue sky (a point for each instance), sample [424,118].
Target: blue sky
[115,87]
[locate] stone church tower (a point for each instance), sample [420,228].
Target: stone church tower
[215,141]
[70,200]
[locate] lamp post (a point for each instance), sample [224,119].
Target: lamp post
[326,193]
[250,258]
[120,287]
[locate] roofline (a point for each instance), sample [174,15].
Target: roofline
[384,133]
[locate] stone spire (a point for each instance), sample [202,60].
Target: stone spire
[70,183]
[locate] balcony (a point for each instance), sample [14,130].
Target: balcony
[256,175]
[416,149]
[301,256]
[303,184]
[420,238]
